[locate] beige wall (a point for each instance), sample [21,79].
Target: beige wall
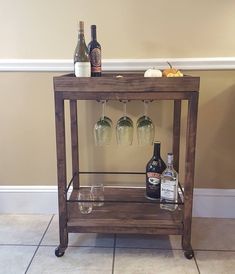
[126,29]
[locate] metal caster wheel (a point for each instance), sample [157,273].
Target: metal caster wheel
[58,252]
[189,254]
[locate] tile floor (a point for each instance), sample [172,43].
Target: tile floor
[27,244]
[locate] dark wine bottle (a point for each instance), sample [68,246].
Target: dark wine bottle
[94,49]
[154,169]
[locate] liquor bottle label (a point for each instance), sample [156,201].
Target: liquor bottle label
[95,57]
[82,69]
[153,185]
[167,190]
[153,178]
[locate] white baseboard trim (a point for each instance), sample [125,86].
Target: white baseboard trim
[216,203]
[28,199]
[66,65]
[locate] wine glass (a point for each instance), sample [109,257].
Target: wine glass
[124,128]
[145,128]
[103,128]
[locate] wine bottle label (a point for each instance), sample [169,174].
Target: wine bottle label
[82,69]
[95,57]
[168,190]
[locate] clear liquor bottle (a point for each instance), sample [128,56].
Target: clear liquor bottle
[169,186]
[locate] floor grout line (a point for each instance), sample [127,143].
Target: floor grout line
[18,245]
[154,248]
[127,247]
[214,250]
[114,252]
[195,260]
[80,246]
[39,244]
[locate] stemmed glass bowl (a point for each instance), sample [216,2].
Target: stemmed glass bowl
[145,128]
[103,128]
[124,128]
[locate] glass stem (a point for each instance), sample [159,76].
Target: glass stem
[124,108]
[146,108]
[103,109]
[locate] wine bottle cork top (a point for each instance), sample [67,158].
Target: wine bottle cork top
[81,25]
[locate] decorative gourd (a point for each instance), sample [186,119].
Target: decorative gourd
[153,72]
[172,72]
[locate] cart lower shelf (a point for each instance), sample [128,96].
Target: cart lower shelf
[129,212]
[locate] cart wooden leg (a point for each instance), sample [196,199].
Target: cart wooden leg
[74,142]
[176,133]
[61,174]
[189,173]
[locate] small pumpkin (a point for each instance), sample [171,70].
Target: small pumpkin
[172,72]
[153,72]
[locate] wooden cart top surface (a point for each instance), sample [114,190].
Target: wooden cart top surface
[129,82]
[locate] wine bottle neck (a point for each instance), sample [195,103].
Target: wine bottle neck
[81,29]
[156,152]
[170,160]
[81,37]
[93,32]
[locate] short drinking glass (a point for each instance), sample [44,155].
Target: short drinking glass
[85,201]
[98,194]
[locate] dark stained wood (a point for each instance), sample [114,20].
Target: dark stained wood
[176,133]
[73,95]
[189,169]
[128,217]
[74,141]
[126,84]
[61,169]
[115,217]
[122,229]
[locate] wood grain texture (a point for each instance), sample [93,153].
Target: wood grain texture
[61,169]
[129,216]
[189,168]
[176,133]
[132,84]
[74,141]
[135,217]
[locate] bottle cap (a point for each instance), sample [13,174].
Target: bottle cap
[170,158]
[157,142]
[81,25]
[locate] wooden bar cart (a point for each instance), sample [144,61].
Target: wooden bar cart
[125,210]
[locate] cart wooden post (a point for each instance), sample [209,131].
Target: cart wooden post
[176,133]
[61,173]
[74,142]
[189,172]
